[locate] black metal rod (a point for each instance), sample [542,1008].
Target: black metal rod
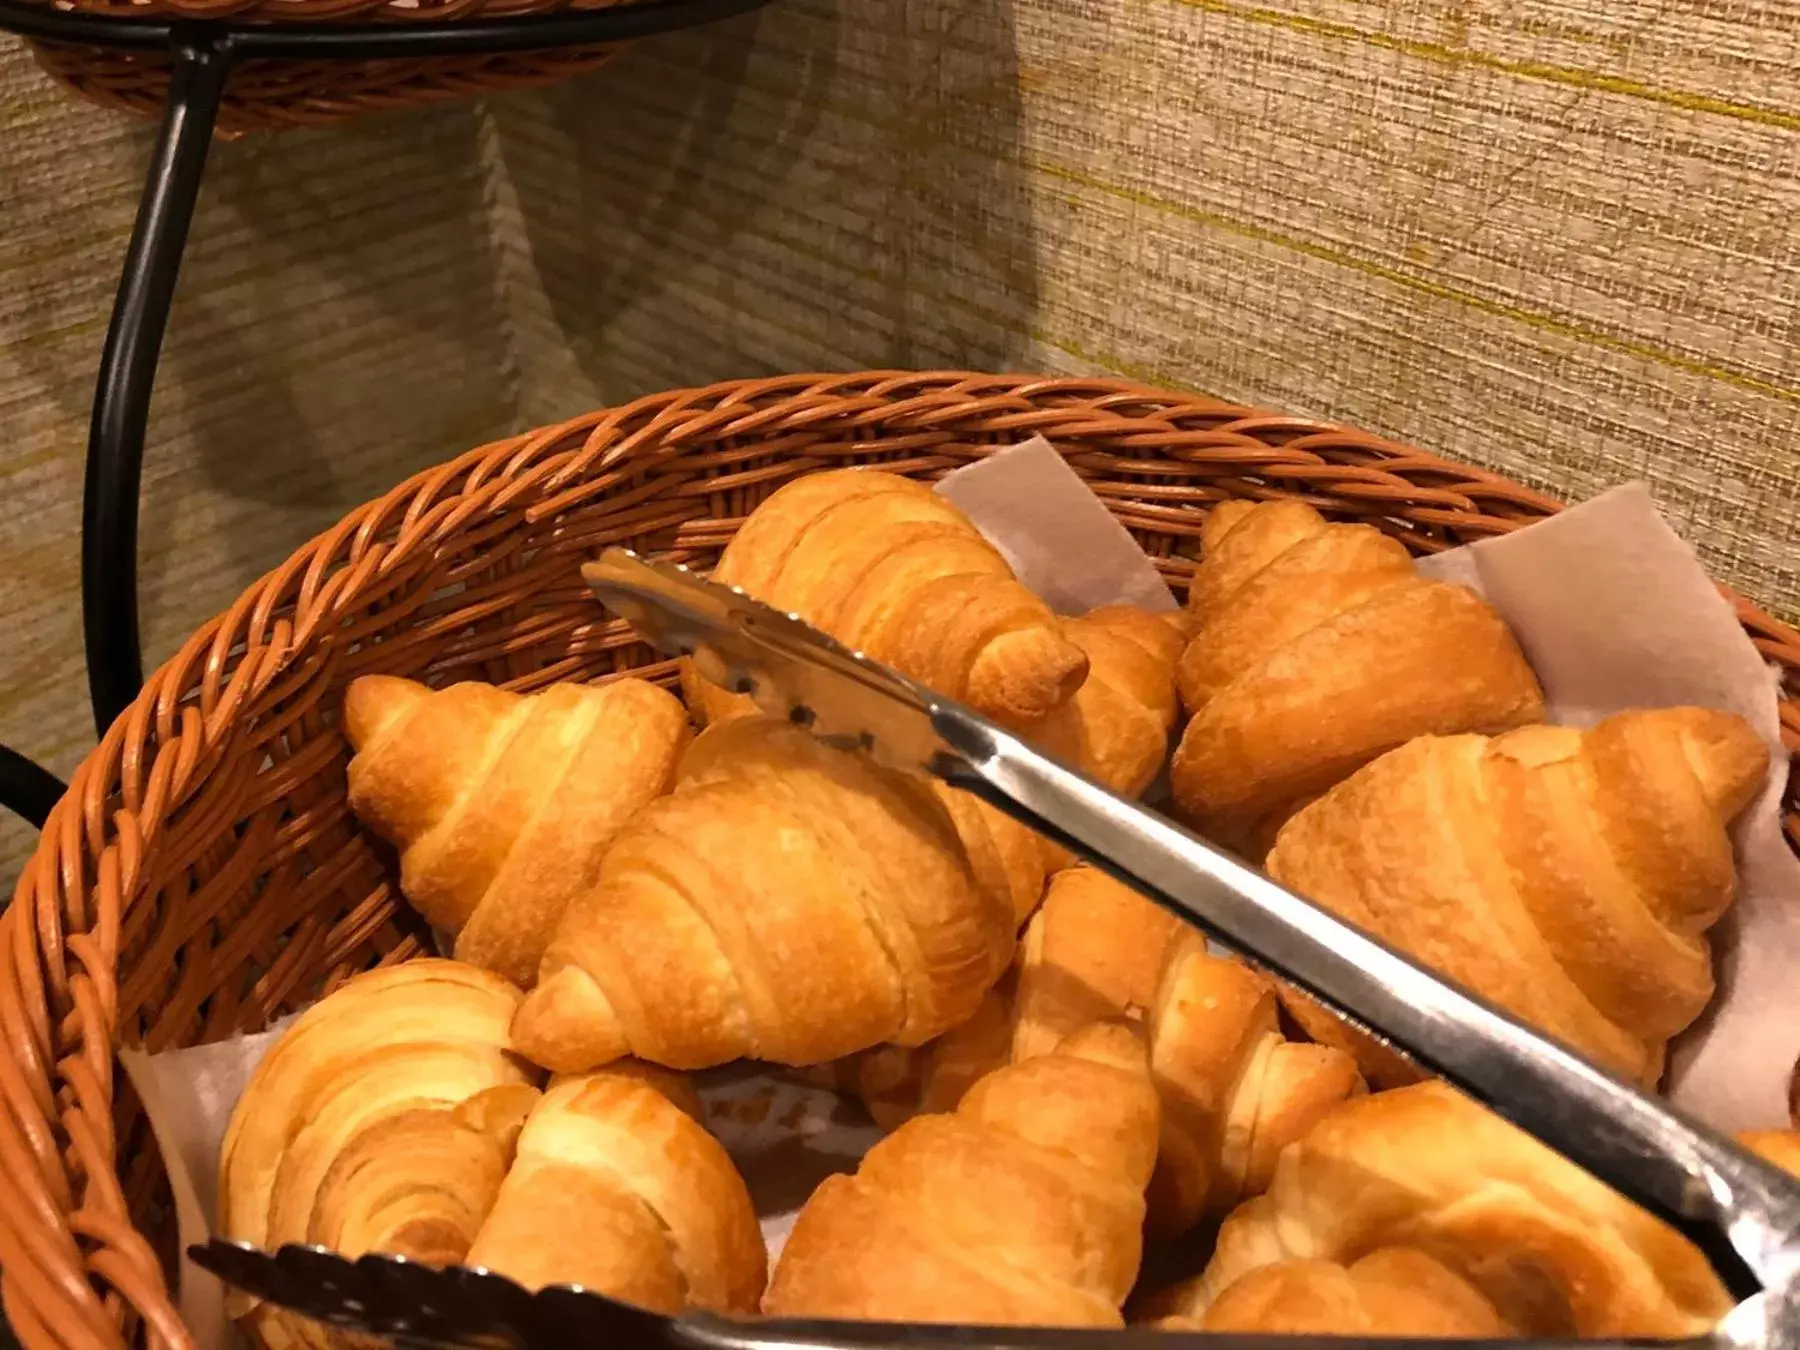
[28,789]
[372,41]
[109,601]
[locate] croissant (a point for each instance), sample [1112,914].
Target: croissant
[895,1083]
[787,902]
[1023,1207]
[1116,728]
[1553,1250]
[1234,1090]
[1391,1292]
[502,804]
[889,567]
[1568,876]
[618,1188]
[1317,647]
[1093,952]
[382,1120]
[1009,860]
[416,1184]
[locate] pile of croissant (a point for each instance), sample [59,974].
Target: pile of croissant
[1064,1072]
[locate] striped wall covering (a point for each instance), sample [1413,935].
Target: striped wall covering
[1553,237]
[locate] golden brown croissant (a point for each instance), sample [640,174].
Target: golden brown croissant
[1023,1207]
[891,568]
[418,1184]
[1234,1090]
[895,1083]
[1569,876]
[618,1188]
[1009,860]
[1393,1291]
[787,902]
[382,1120]
[502,804]
[1316,648]
[1554,1251]
[1116,728]
[1093,952]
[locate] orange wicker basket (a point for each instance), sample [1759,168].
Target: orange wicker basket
[270,95]
[203,875]
[275,93]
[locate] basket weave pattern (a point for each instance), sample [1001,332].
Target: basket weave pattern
[269,95]
[330,11]
[203,875]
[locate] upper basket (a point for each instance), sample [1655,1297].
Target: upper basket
[203,874]
[271,94]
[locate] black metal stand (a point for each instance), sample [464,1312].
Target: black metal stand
[27,788]
[115,462]
[204,54]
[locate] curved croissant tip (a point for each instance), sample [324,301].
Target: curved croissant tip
[1026,673]
[1223,519]
[567,1025]
[667,1083]
[373,701]
[1727,756]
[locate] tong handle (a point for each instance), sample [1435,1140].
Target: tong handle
[1739,1210]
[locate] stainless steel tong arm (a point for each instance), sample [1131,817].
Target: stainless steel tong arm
[1744,1213]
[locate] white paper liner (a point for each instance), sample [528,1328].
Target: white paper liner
[1614,612]
[188,1096]
[784,1136]
[1057,535]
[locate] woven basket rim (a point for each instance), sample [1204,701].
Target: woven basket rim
[337,13]
[67,1269]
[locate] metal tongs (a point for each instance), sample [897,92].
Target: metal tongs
[1743,1213]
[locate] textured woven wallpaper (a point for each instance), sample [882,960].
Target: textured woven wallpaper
[1553,238]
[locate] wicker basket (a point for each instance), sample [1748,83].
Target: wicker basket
[269,95]
[203,874]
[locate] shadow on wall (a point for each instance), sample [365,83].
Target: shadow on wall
[818,185]
[335,330]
